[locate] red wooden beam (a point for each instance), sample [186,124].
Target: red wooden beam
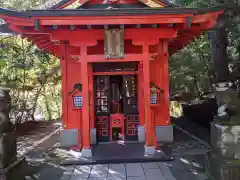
[42,41]
[55,52]
[86,20]
[101,58]
[74,50]
[114,73]
[46,46]
[206,17]
[90,37]
[40,37]
[78,35]
[18,20]
[155,19]
[141,19]
[149,33]
[21,30]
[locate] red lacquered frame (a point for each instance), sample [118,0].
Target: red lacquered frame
[116,120]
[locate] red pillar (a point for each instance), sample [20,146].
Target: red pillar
[91,95]
[64,57]
[85,96]
[150,129]
[166,81]
[140,94]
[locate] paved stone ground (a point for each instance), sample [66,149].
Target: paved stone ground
[135,171]
[188,165]
[179,169]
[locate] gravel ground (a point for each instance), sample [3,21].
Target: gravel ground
[27,142]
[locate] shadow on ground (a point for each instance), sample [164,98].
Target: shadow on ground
[41,163]
[38,171]
[188,167]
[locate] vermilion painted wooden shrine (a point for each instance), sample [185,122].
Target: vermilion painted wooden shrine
[114,60]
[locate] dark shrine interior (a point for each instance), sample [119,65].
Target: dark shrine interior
[116,94]
[116,133]
[115,97]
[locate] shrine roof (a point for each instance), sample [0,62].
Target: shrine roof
[63,3]
[107,12]
[35,24]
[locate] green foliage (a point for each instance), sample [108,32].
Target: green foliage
[33,76]
[195,3]
[189,68]
[20,4]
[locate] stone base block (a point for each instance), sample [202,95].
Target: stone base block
[149,150]
[69,137]
[8,149]
[164,134]
[225,141]
[86,152]
[141,134]
[93,136]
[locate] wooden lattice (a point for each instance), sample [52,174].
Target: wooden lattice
[101,96]
[102,125]
[132,122]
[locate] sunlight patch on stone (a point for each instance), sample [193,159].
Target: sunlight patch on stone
[184,161]
[196,165]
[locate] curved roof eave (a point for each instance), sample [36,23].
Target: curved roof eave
[109,12]
[30,15]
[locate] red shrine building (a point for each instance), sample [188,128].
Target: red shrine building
[114,61]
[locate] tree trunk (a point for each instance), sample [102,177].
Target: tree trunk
[226,94]
[36,101]
[219,42]
[56,101]
[49,113]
